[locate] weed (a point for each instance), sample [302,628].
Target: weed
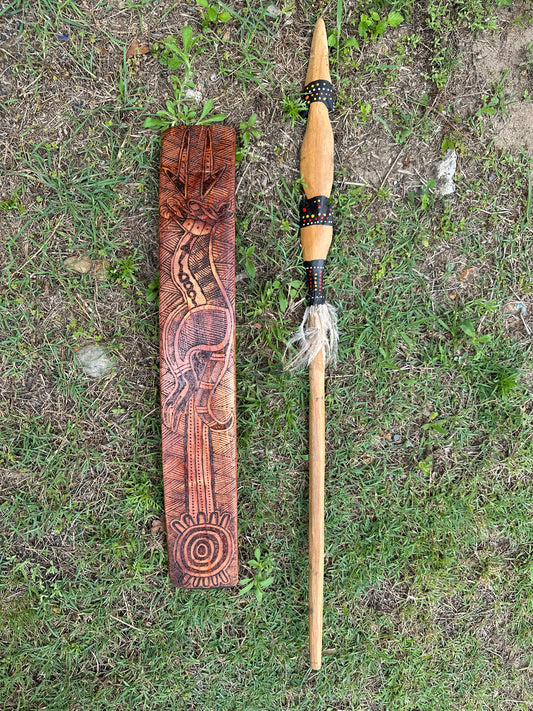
[435,425]
[498,101]
[262,568]
[249,265]
[247,132]
[12,203]
[152,290]
[364,111]
[171,55]
[372,26]
[124,271]
[453,141]
[284,297]
[528,62]
[443,64]
[344,46]
[293,109]
[179,111]
[425,195]
[212,13]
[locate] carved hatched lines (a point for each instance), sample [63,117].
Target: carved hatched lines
[197,292]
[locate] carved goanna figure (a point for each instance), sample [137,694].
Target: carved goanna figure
[197,342]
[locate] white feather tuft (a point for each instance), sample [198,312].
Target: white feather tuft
[318,331]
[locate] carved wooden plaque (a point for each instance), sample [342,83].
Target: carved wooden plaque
[197,345]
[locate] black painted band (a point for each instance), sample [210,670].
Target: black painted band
[315,272]
[319,90]
[316,211]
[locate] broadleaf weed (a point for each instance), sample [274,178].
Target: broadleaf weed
[262,566]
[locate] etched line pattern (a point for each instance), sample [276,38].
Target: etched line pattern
[197,290]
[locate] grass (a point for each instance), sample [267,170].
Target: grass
[429,545]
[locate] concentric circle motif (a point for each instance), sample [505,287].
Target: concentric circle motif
[203,548]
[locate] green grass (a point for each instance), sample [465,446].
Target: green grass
[429,543]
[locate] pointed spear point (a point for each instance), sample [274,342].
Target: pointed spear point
[318,59]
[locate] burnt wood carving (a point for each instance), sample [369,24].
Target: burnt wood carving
[197,346]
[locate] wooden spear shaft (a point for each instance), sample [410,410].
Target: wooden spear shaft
[317,423]
[316,166]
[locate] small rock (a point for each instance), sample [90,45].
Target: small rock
[193,94]
[467,274]
[443,173]
[157,525]
[98,269]
[521,308]
[273,10]
[93,361]
[82,264]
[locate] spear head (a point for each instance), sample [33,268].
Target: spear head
[316,156]
[318,332]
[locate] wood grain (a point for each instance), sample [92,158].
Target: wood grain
[317,462]
[197,353]
[316,153]
[316,168]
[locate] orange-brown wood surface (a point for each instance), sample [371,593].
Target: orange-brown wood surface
[316,153]
[316,168]
[317,464]
[197,351]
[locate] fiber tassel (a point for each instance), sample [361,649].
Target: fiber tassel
[318,331]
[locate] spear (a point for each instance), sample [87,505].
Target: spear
[317,336]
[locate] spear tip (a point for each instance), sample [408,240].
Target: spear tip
[319,57]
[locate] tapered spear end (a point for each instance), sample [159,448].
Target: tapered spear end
[318,67]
